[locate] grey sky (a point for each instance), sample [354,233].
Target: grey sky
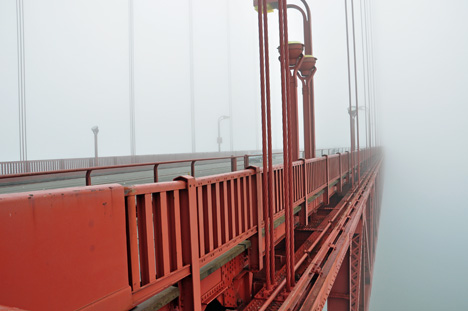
[77,76]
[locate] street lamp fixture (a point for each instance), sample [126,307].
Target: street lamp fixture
[308,65]
[271,5]
[95,130]
[295,52]
[305,64]
[220,139]
[353,112]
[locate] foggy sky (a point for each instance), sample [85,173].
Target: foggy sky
[422,74]
[77,77]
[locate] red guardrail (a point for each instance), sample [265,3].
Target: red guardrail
[171,230]
[225,211]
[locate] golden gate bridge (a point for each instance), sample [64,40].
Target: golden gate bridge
[283,233]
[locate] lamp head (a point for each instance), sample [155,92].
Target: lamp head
[352,112]
[95,129]
[295,51]
[271,5]
[308,64]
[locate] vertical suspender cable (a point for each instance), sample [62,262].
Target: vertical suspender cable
[284,86]
[264,147]
[229,72]
[192,77]
[18,52]
[368,72]
[356,94]
[290,140]
[24,85]
[365,77]
[371,70]
[21,80]
[351,121]
[270,147]
[131,61]
[371,31]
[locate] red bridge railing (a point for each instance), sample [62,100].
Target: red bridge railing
[228,211]
[163,233]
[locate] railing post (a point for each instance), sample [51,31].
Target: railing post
[233,164]
[192,168]
[155,173]
[304,213]
[326,197]
[246,161]
[340,181]
[190,293]
[256,257]
[88,177]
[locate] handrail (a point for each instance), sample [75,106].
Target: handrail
[155,165]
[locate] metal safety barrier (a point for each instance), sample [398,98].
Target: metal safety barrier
[162,233]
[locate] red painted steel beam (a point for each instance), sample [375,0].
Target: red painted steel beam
[64,249]
[266,135]
[319,295]
[339,297]
[356,267]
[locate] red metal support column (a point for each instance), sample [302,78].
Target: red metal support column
[294,118]
[339,297]
[287,190]
[293,104]
[295,62]
[265,196]
[366,270]
[309,139]
[310,84]
[356,257]
[270,146]
[290,143]
[308,150]
[190,293]
[312,117]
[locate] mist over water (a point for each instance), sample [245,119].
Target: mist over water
[421,66]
